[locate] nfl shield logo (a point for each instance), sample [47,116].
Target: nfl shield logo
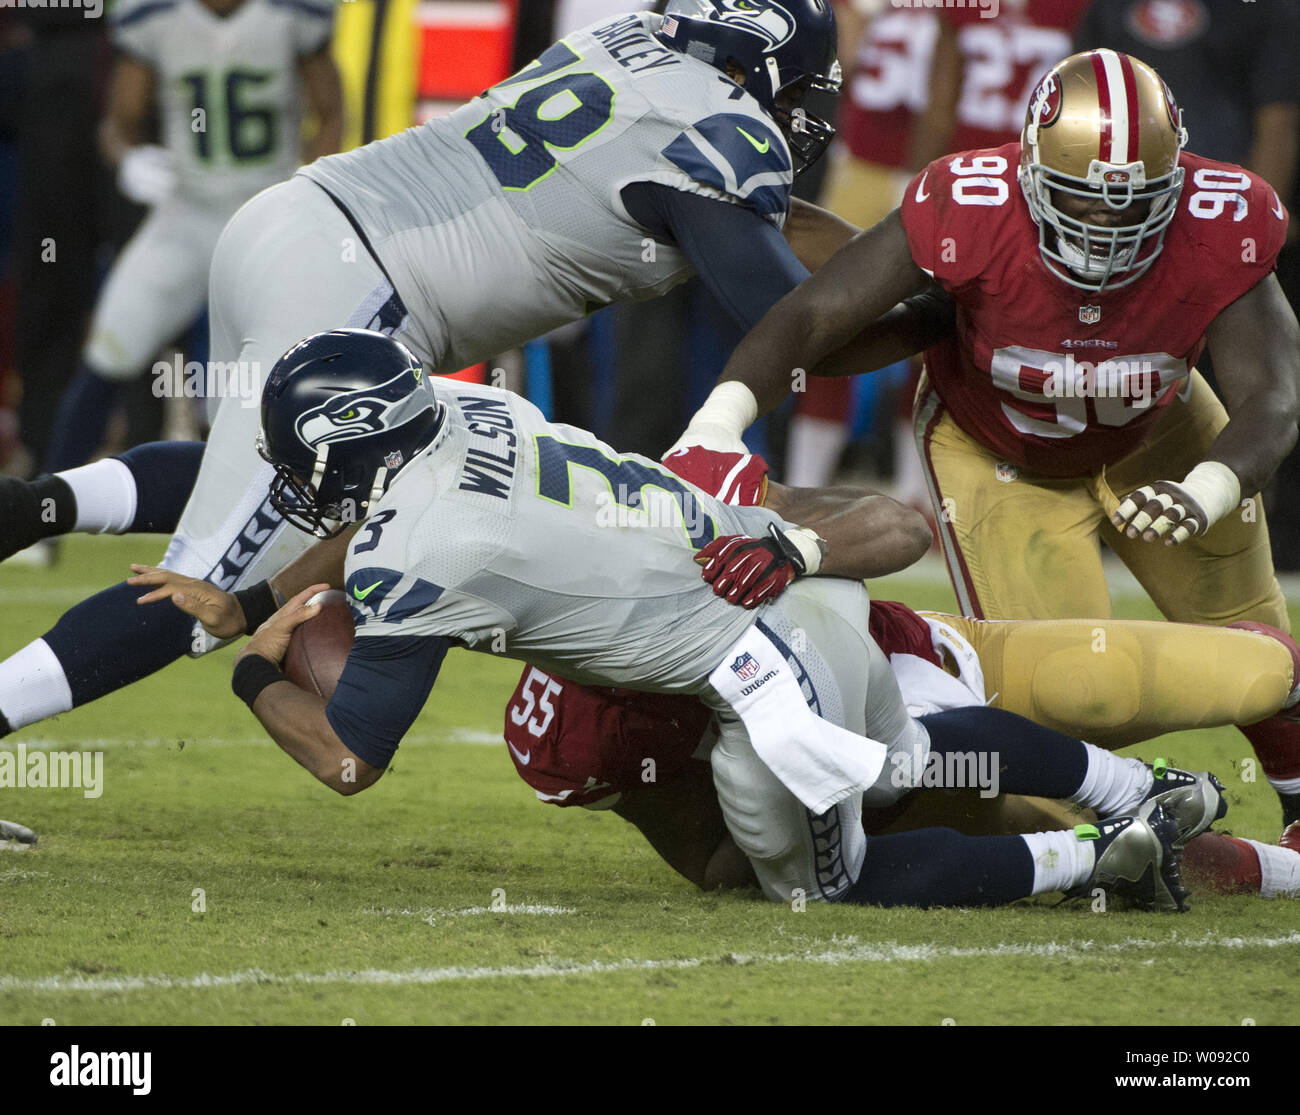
[394,459]
[1006,472]
[745,667]
[1089,315]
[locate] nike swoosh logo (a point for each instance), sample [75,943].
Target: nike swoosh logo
[761,148]
[522,756]
[1277,207]
[921,195]
[362,595]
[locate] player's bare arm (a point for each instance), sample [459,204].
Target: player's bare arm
[867,534]
[866,278]
[130,94]
[815,233]
[932,130]
[223,614]
[909,328]
[324,91]
[292,717]
[1256,347]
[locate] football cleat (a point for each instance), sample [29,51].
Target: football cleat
[1193,801]
[21,833]
[21,524]
[1137,860]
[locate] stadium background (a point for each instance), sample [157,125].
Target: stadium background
[434,858]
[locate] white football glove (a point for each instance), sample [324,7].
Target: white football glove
[1176,511]
[720,422]
[146,174]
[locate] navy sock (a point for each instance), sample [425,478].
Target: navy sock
[1030,759]
[941,867]
[110,641]
[164,473]
[82,420]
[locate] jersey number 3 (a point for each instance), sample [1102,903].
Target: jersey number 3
[555,112]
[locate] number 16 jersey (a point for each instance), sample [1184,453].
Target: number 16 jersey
[1059,380]
[505,219]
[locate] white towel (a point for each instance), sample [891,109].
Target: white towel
[819,762]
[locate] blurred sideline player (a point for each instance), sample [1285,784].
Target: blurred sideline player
[1088,278]
[612,168]
[1114,683]
[886,55]
[537,565]
[231,79]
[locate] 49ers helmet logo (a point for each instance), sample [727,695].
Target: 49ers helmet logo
[1045,104]
[1171,106]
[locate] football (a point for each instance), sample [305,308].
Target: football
[318,649]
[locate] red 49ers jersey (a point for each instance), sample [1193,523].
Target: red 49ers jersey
[1004,58]
[888,83]
[1059,380]
[579,745]
[582,745]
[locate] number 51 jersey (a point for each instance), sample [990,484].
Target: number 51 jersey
[505,219]
[1059,380]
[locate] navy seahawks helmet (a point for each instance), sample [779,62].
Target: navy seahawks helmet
[342,413]
[786,49]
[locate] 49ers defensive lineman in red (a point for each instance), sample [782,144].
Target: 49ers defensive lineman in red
[1090,265]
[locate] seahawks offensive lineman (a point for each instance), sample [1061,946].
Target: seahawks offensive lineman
[487,527]
[230,78]
[627,157]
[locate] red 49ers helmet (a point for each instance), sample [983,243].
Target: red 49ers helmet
[1102,125]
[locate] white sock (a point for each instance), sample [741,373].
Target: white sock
[33,685]
[1061,859]
[1113,785]
[1279,870]
[105,494]
[1285,786]
[813,454]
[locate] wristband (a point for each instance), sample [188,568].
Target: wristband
[731,406]
[258,603]
[811,547]
[1215,488]
[253,673]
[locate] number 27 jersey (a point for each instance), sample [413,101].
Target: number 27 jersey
[1063,381]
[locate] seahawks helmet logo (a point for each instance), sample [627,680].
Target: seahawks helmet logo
[770,21]
[364,412]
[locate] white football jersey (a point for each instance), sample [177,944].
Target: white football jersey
[227,87]
[505,219]
[522,537]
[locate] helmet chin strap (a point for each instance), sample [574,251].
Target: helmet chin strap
[379,486]
[318,473]
[774,76]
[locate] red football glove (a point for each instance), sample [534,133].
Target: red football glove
[739,479]
[750,571]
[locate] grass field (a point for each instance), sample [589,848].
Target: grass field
[386,908]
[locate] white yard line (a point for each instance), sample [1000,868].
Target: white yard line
[882,953]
